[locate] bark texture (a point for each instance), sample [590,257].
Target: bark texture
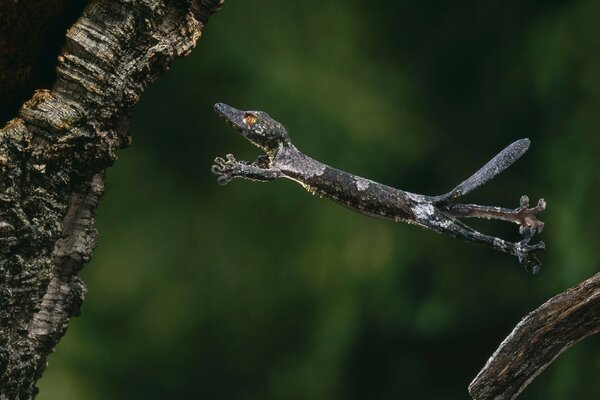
[538,339]
[52,162]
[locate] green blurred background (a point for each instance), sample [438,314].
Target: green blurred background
[263,291]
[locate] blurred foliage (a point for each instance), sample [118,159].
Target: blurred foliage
[262,291]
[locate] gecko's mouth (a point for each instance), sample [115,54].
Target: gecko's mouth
[232,116]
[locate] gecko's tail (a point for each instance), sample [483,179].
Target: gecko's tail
[492,168]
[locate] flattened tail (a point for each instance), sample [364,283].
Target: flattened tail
[486,173]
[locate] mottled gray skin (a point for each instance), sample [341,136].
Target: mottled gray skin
[438,213]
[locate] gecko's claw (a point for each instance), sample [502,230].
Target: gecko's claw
[524,201]
[527,231]
[226,169]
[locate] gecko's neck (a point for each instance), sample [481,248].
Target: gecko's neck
[294,164]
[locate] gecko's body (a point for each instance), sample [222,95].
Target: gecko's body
[439,213]
[358,194]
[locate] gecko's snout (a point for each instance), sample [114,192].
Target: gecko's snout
[221,108]
[231,115]
[225,111]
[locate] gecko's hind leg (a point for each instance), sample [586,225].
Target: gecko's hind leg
[526,253]
[524,216]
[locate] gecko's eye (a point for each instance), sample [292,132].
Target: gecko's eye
[249,119]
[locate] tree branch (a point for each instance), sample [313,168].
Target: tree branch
[52,163]
[538,340]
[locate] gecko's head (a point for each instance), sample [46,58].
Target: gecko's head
[256,126]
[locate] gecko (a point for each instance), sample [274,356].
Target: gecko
[442,214]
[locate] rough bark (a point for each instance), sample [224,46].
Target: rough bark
[538,340]
[52,162]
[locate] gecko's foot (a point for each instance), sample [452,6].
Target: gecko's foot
[526,217]
[529,225]
[226,168]
[527,255]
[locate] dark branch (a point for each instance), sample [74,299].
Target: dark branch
[438,213]
[538,339]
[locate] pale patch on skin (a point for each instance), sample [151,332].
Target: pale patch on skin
[362,184]
[423,211]
[447,223]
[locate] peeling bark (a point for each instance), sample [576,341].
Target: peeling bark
[538,340]
[52,163]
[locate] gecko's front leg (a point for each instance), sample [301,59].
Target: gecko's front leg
[228,168]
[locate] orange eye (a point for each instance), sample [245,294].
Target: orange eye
[249,119]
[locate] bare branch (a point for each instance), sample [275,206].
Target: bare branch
[538,339]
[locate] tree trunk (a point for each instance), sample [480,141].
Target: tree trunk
[52,162]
